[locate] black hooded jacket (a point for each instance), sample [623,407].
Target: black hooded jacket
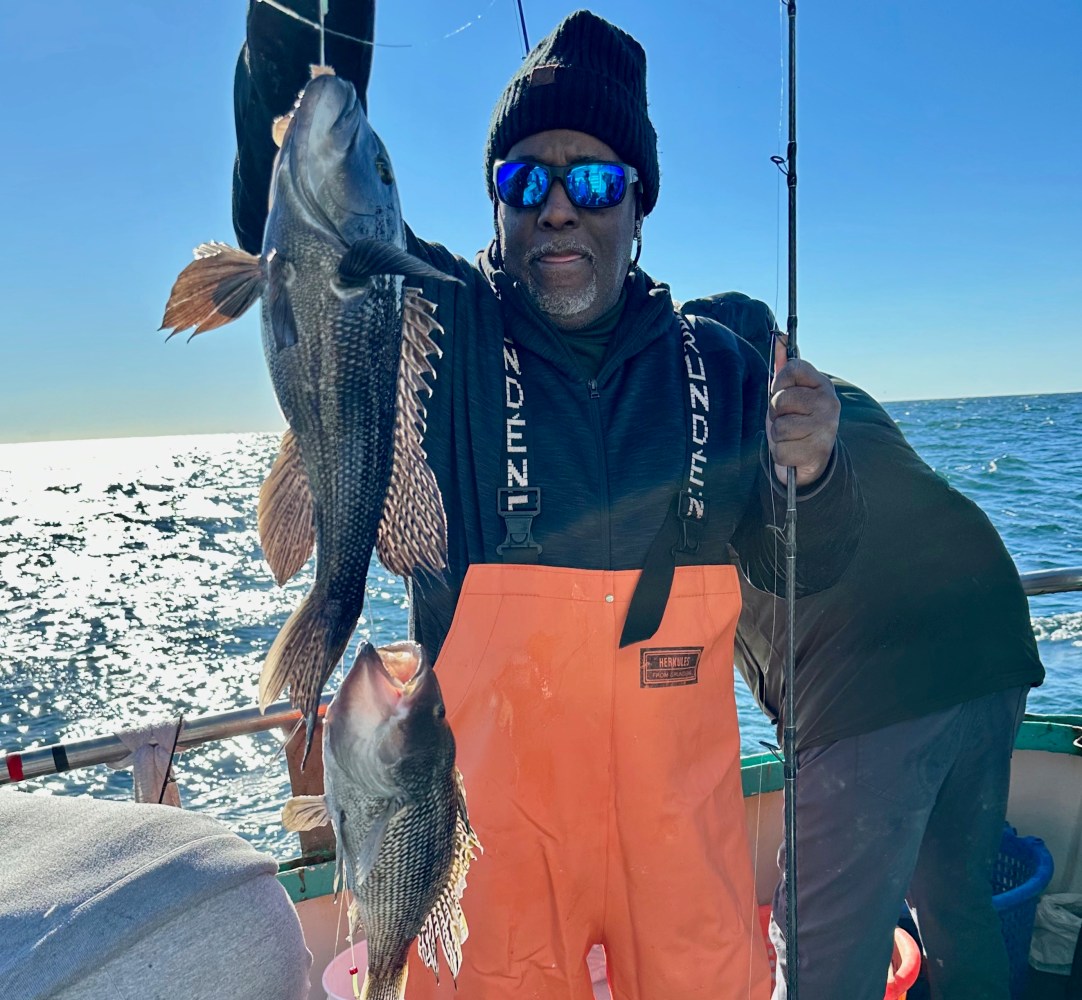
[929,613]
[608,453]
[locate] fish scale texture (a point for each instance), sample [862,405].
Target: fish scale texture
[411,870]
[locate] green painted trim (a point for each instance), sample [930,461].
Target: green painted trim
[761,773]
[307,878]
[1051,733]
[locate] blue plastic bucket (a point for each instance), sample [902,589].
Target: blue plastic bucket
[1022,871]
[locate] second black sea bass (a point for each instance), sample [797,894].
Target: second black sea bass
[398,807]
[347,347]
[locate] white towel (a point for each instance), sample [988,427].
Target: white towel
[151,749]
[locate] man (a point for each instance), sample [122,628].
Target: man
[597,456]
[911,684]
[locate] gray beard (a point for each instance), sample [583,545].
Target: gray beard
[563,303]
[560,304]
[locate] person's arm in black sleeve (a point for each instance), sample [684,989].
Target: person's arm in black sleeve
[830,511]
[273,67]
[830,516]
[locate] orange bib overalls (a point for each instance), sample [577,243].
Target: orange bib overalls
[604,784]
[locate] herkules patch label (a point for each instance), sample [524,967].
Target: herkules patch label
[671,667]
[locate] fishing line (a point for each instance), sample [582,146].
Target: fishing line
[293,732]
[172,755]
[753,924]
[319,26]
[469,24]
[323,5]
[775,532]
[340,898]
[289,12]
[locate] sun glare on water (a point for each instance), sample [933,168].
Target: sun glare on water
[133,587]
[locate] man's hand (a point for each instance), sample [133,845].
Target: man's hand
[802,418]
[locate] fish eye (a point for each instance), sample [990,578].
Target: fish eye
[439,711]
[383,168]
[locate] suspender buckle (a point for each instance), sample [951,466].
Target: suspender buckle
[518,507]
[691,510]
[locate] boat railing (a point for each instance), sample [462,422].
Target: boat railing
[59,757]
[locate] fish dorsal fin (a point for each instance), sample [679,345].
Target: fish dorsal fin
[287,525]
[446,923]
[305,812]
[214,289]
[368,257]
[413,528]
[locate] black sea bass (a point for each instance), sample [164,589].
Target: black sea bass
[347,347]
[399,813]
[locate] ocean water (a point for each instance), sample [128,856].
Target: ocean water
[132,586]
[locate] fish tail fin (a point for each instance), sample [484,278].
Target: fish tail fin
[392,987]
[303,655]
[214,289]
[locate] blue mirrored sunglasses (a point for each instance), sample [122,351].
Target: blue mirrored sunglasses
[522,184]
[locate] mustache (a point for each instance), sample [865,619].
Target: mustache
[559,247]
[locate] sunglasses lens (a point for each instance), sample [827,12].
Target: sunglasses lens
[522,185]
[596,185]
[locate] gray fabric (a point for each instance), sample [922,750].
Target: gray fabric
[916,807]
[81,881]
[228,947]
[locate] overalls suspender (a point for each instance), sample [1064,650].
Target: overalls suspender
[678,539]
[518,502]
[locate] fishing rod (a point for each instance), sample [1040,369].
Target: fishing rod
[522,23]
[788,168]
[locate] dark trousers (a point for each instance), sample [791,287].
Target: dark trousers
[915,809]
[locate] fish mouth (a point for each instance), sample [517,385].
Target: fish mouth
[326,106]
[403,667]
[384,682]
[380,687]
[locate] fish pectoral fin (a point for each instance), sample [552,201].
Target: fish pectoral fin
[286,515]
[369,850]
[412,531]
[305,812]
[283,322]
[368,257]
[214,289]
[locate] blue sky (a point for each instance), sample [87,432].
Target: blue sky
[939,188]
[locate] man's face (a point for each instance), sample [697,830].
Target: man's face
[571,261]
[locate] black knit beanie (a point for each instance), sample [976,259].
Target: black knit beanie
[588,76]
